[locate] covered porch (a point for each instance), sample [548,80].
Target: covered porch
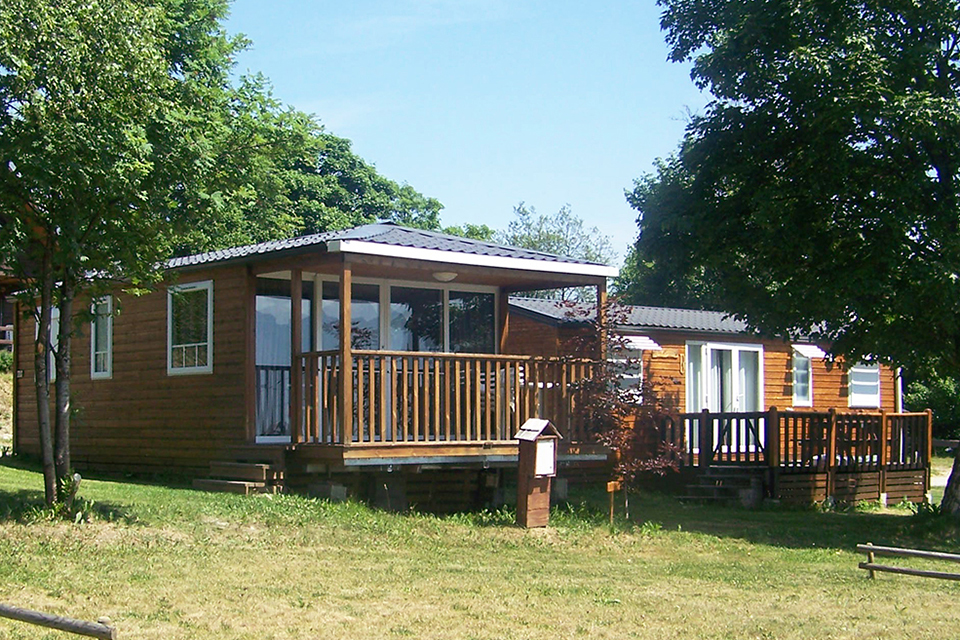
[809,456]
[405,359]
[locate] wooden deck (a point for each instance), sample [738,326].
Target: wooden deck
[437,402]
[813,455]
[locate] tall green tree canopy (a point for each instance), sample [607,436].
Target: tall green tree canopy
[561,233]
[819,188]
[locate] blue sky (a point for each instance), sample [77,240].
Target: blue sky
[483,104]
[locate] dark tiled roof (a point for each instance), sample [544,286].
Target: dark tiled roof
[635,316]
[385,233]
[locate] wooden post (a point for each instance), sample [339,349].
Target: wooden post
[771,448]
[771,445]
[602,319]
[870,560]
[883,456]
[929,450]
[705,426]
[101,629]
[832,453]
[346,355]
[503,313]
[296,364]
[250,357]
[16,377]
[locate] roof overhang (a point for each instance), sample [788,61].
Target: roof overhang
[811,351]
[641,343]
[363,247]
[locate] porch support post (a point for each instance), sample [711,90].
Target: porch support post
[346,356]
[602,319]
[296,342]
[832,454]
[882,456]
[250,357]
[503,310]
[771,448]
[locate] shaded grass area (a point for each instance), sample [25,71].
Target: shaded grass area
[174,563]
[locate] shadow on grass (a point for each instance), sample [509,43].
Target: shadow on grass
[782,526]
[26,506]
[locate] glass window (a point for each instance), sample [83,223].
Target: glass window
[273,321]
[863,384]
[190,328]
[802,378]
[416,319]
[472,322]
[101,339]
[364,316]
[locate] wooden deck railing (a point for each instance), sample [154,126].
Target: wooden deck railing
[411,397]
[6,335]
[803,440]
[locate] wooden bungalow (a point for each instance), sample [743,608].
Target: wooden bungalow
[305,361]
[815,429]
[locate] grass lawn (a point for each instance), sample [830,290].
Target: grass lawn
[174,563]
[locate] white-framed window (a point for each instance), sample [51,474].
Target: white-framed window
[863,386]
[803,357]
[802,380]
[724,377]
[190,328]
[101,339]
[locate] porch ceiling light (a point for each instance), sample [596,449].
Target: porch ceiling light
[444,276]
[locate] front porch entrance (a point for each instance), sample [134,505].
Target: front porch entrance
[422,363]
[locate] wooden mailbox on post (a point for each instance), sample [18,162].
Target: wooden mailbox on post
[539,441]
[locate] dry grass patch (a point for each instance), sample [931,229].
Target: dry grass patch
[180,564]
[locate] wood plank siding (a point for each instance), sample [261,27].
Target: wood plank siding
[142,418]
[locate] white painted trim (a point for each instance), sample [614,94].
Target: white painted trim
[453,257]
[183,371]
[811,351]
[899,389]
[641,343]
[94,374]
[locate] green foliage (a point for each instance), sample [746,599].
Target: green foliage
[940,394]
[6,361]
[474,231]
[819,188]
[563,234]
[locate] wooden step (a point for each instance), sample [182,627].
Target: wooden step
[252,471]
[232,486]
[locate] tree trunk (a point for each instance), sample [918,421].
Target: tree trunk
[41,352]
[951,495]
[61,444]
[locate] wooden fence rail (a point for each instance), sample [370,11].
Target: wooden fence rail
[79,627]
[895,552]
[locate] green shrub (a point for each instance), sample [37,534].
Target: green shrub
[942,396]
[6,361]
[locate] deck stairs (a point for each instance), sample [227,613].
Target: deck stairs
[242,477]
[727,484]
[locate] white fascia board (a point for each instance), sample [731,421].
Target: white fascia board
[454,257]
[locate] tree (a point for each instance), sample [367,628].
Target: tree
[820,186]
[473,231]
[562,234]
[119,134]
